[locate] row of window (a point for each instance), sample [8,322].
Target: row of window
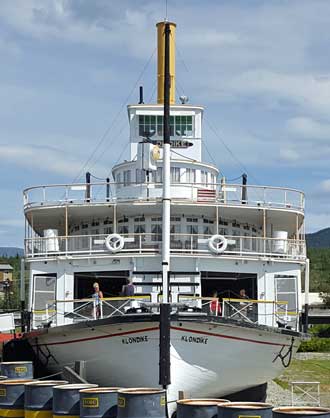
[226,227]
[178,175]
[180,126]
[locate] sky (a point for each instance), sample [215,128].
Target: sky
[68,69]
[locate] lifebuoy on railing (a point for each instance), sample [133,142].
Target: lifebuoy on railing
[114,243]
[217,244]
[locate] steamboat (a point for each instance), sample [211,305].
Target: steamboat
[227,260]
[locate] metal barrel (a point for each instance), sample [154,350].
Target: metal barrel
[198,408]
[141,403]
[99,402]
[66,400]
[17,369]
[245,410]
[38,399]
[301,412]
[12,398]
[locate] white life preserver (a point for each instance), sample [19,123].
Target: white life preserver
[114,243]
[217,244]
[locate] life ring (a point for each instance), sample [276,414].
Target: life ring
[114,243]
[217,244]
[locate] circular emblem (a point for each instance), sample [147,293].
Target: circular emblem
[114,243]
[217,244]
[155,153]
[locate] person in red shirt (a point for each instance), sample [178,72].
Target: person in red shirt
[215,305]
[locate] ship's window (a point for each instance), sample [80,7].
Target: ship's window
[76,228]
[122,220]
[95,223]
[107,221]
[84,226]
[127,177]
[222,222]
[159,175]
[208,221]
[192,229]
[179,125]
[139,219]
[108,230]
[123,229]
[156,219]
[204,178]
[208,230]
[190,175]
[192,219]
[175,174]
[175,229]
[139,229]
[118,179]
[156,231]
[183,126]
[140,176]
[175,219]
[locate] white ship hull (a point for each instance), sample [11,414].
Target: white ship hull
[207,358]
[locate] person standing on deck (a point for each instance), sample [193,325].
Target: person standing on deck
[97,296]
[128,289]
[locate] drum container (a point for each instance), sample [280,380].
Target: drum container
[245,410]
[141,403]
[198,408]
[17,369]
[300,412]
[12,398]
[98,402]
[38,399]
[66,400]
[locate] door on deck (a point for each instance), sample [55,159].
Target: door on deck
[44,296]
[286,291]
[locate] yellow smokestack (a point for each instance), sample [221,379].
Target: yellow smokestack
[161,62]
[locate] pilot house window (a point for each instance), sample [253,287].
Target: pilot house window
[150,125]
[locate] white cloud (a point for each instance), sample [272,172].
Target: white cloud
[289,155]
[325,186]
[308,128]
[40,158]
[317,221]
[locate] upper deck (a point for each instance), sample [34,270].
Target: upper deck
[108,193]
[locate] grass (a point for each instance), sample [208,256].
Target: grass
[307,371]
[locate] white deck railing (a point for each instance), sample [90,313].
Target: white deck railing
[258,312]
[224,194]
[196,244]
[266,312]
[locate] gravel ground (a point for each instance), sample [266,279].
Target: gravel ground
[278,396]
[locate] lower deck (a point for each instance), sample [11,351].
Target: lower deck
[266,293]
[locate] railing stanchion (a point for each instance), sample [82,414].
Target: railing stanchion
[94,309]
[101,309]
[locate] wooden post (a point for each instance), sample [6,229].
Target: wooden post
[181,395]
[217,219]
[264,228]
[66,228]
[115,218]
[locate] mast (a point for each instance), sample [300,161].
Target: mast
[166,171]
[166,96]
[164,50]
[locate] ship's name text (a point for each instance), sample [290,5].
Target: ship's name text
[135,340]
[197,340]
